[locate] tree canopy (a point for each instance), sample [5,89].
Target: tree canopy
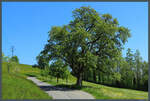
[90,40]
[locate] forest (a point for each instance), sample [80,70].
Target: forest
[129,72]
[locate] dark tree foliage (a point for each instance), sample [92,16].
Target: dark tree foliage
[35,66]
[42,61]
[130,72]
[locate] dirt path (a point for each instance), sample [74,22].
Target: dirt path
[60,93]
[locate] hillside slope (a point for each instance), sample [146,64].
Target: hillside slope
[15,85]
[97,90]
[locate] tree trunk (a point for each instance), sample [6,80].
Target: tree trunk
[66,80]
[57,79]
[51,78]
[94,76]
[8,68]
[79,80]
[134,82]
[132,85]
[87,76]
[99,79]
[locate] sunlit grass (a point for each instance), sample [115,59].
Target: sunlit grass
[16,86]
[97,90]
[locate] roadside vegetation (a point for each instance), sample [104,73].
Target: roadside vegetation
[12,89]
[96,90]
[16,86]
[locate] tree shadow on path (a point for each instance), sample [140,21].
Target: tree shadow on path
[63,87]
[55,88]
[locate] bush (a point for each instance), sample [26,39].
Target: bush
[14,59]
[35,66]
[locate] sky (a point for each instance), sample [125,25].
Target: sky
[25,25]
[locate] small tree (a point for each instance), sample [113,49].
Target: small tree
[66,74]
[42,61]
[45,72]
[59,69]
[8,66]
[15,59]
[4,58]
[11,64]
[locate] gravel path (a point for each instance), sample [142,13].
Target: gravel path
[60,93]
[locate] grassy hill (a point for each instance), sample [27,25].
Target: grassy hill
[15,83]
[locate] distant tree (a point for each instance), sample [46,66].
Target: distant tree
[46,72]
[66,74]
[145,75]
[5,58]
[15,59]
[42,61]
[128,72]
[131,62]
[138,65]
[58,69]
[35,66]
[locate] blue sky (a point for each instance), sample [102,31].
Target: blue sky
[25,25]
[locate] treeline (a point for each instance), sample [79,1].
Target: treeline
[10,59]
[129,72]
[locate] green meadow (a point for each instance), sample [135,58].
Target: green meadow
[16,86]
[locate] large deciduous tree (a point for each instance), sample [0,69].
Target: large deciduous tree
[90,40]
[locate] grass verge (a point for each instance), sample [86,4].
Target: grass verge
[16,86]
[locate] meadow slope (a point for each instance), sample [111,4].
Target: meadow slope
[16,86]
[97,90]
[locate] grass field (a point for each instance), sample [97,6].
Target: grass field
[15,85]
[99,91]
[17,78]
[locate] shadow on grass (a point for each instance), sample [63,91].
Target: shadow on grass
[74,87]
[30,75]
